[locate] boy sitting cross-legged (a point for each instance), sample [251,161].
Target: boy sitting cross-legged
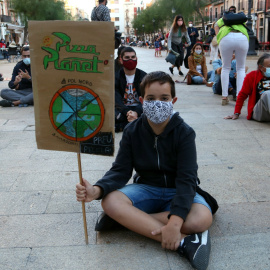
[162,203]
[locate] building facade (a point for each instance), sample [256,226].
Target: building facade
[75,11]
[122,14]
[11,26]
[260,14]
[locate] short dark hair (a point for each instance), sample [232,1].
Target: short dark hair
[157,76]
[119,50]
[25,48]
[127,49]
[262,58]
[232,7]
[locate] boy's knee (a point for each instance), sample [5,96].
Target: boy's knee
[3,92]
[113,201]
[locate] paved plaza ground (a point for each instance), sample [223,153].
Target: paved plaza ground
[41,224]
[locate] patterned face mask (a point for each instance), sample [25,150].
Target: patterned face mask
[157,111]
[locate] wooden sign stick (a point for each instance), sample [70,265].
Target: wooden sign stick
[83,202]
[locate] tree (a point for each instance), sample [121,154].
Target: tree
[161,11]
[39,10]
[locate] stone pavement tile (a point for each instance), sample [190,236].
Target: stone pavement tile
[241,252]
[243,218]
[46,230]
[3,122]
[89,163]
[14,258]
[54,180]
[30,165]
[14,154]
[99,257]
[41,154]
[223,182]
[207,159]
[7,179]
[258,186]
[23,203]
[14,125]
[64,201]
[215,133]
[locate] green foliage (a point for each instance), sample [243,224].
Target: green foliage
[39,10]
[161,11]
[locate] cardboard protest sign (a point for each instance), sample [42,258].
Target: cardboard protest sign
[72,65]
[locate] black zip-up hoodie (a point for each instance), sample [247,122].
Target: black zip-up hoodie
[167,160]
[120,88]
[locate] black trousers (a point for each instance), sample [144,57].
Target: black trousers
[179,49]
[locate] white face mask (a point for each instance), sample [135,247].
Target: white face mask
[157,111]
[190,25]
[198,51]
[27,61]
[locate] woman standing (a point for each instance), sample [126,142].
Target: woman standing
[197,66]
[178,30]
[233,38]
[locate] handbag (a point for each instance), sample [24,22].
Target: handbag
[171,58]
[209,199]
[189,79]
[214,41]
[230,18]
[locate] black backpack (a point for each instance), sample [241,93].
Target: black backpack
[230,18]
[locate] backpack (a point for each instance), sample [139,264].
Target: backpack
[230,18]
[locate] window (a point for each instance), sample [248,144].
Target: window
[215,12]
[261,21]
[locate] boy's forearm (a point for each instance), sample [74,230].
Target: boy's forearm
[176,221]
[98,192]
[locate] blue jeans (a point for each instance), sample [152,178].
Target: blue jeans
[150,199]
[197,79]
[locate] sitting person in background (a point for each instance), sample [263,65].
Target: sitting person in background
[117,62]
[256,88]
[217,66]
[4,49]
[197,66]
[127,90]
[216,72]
[20,92]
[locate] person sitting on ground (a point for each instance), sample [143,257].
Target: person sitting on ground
[4,49]
[20,92]
[127,90]
[164,201]
[215,76]
[256,87]
[117,63]
[197,66]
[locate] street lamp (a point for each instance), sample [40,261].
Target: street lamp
[154,26]
[173,11]
[252,38]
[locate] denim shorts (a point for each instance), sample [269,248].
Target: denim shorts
[152,199]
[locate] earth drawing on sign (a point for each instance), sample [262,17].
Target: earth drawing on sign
[76,112]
